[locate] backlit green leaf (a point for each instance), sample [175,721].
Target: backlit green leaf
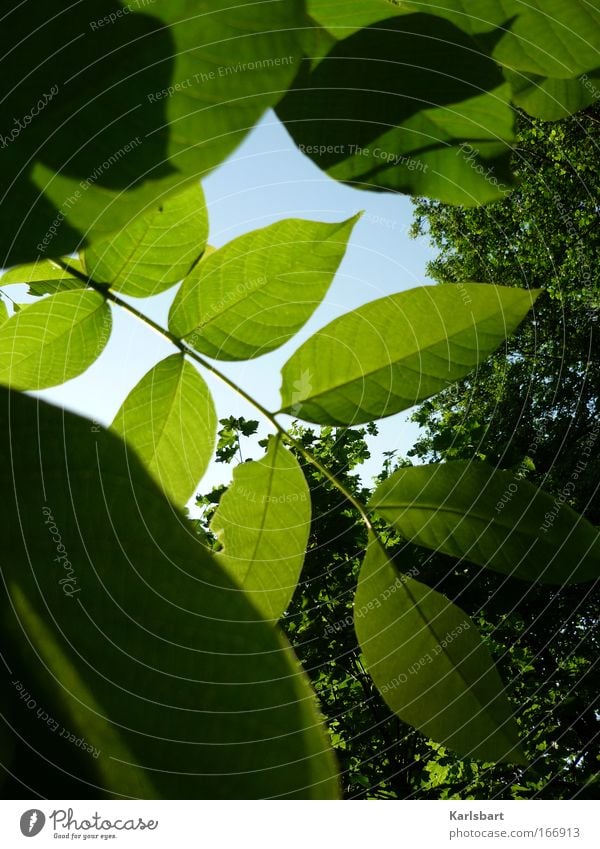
[156,250]
[411,104]
[429,663]
[169,419]
[45,277]
[549,98]
[254,294]
[492,518]
[387,355]
[343,19]
[53,340]
[7,736]
[133,637]
[410,98]
[547,37]
[116,104]
[263,522]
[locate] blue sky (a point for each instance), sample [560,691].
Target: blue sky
[265,180]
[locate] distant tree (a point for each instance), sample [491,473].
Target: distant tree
[534,407]
[534,404]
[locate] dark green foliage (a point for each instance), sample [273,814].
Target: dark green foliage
[228,444]
[534,405]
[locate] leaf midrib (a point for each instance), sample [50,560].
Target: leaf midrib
[441,508]
[167,419]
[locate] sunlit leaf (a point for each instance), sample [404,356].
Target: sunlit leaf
[547,37]
[410,97]
[263,522]
[492,518]
[549,98]
[255,293]
[429,663]
[133,637]
[411,104]
[343,19]
[53,340]
[115,104]
[169,419]
[156,250]
[45,277]
[388,354]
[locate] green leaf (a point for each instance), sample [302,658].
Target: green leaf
[547,37]
[551,99]
[131,634]
[45,277]
[169,419]
[254,294]
[493,518]
[3,312]
[110,116]
[429,663]
[388,354]
[414,102]
[344,19]
[382,110]
[156,250]
[263,522]
[53,340]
